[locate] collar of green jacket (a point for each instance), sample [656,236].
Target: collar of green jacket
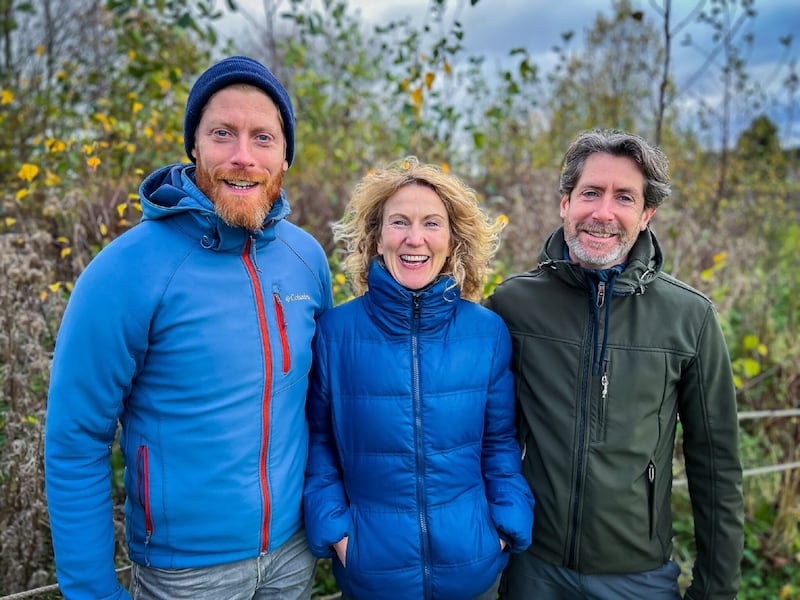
[645,261]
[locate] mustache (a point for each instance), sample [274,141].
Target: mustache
[598,228]
[221,174]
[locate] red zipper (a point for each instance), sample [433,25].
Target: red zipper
[143,489]
[265,399]
[287,363]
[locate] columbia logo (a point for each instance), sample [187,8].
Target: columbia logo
[296,297]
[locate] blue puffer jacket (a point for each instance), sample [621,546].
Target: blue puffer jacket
[196,337]
[413,454]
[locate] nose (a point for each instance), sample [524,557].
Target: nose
[242,155]
[603,208]
[415,235]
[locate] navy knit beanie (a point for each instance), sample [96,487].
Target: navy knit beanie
[237,69]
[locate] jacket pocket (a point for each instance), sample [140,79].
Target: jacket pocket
[143,490]
[281,319]
[651,497]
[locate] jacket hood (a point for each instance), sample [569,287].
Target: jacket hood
[645,262]
[171,191]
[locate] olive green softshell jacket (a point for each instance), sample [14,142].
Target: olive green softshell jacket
[598,438]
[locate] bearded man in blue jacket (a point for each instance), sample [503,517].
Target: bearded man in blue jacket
[192,331]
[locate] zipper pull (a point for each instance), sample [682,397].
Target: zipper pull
[416,307]
[601,293]
[651,472]
[604,383]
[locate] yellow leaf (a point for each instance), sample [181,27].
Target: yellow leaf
[66,252]
[87,149]
[445,168]
[51,178]
[447,68]
[69,285]
[131,148]
[93,162]
[43,296]
[10,221]
[762,349]
[737,381]
[121,209]
[750,342]
[416,97]
[429,78]
[58,146]
[62,239]
[103,230]
[6,97]
[40,50]
[137,106]
[720,257]
[28,172]
[21,194]
[54,287]
[340,278]
[148,132]
[503,219]
[706,275]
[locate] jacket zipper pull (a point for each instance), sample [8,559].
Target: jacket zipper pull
[604,383]
[601,293]
[416,307]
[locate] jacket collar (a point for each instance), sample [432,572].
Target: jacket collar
[645,261]
[171,192]
[392,306]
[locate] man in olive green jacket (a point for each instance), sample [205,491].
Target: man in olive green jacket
[609,352]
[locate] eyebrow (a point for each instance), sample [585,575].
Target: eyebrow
[626,190]
[405,216]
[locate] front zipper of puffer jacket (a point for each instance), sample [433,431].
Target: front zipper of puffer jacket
[419,450]
[265,398]
[276,300]
[143,492]
[583,419]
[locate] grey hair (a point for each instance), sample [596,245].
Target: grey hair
[651,160]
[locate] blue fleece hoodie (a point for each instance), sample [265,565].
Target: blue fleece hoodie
[196,338]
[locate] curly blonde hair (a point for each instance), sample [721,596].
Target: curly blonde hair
[475,236]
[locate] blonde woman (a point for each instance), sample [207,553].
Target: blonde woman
[413,484]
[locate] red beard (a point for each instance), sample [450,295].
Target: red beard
[237,210]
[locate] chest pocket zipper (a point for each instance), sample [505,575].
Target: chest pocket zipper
[287,361]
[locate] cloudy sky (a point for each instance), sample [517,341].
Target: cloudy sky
[493,27]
